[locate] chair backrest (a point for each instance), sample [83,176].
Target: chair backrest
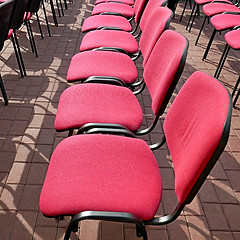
[157,22]
[138,9]
[5,17]
[151,5]
[20,7]
[197,128]
[164,68]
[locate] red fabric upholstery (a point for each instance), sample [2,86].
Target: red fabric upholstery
[102,173]
[109,38]
[225,21]
[151,5]
[124,9]
[154,28]
[27,16]
[200,108]
[96,21]
[233,39]
[162,65]
[216,8]
[10,33]
[102,63]
[129,2]
[100,103]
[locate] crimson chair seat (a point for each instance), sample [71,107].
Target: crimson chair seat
[100,103]
[216,8]
[102,63]
[225,21]
[233,38]
[129,2]
[124,9]
[103,173]
[109,38]
[97,21]
[10,33]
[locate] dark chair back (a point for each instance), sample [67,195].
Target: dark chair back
[5,17]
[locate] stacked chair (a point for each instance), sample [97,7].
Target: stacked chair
[104,171]
[6,10]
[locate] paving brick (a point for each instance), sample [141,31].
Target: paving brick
[215,217]
[18,173]
[6,161]
[234,179]
[6,220]
[207,192]
[232,213]
[220,235]
[198,227]
[42,233]
[36,174]
[90,230]
[111,230]
[23,225]
[24,153]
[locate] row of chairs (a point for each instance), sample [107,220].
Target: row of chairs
[223,15]
[108,173]
[12,15]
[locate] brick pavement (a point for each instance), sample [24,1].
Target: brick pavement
[27,139]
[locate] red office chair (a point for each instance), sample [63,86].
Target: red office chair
[105,103]
[221,22]
[117,178]
[6,10]
[121,39]
[214,8]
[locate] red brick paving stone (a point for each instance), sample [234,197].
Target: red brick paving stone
[5,126]
[207,192]
[61,233]
[157,234]
[6,220]
[194,208]
[31,136]
[234,144]
[30,198]
[33,91]
[23,225]
[9,113]
[215,217]
[235,122]
[230,161]
[6,161]
[48,121]
[40,107]
[219,235]
[45,222]
[130,234]
[44,233]
[18,173]
[42,153]
[11,143]
[65,221]
[19,91]
[111,230]
[36,121]
[169,201]
[178,229]
[234,177]
[3,179]
[224,192]
[90,230]
[36,174]
[11,196]
[218,172]
[236,235]
[24,153]
[167,175]
[232,213]
[18,127]
[46,136]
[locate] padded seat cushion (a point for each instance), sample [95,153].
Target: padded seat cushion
[233,39]
[10,33]
[216,8]
[109,38]
[129,2]
[102,173]
[225,21]
[102,63]
[124,9]
[200,2]
[97,103]
[96,21]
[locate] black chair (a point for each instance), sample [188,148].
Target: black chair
[6,9]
